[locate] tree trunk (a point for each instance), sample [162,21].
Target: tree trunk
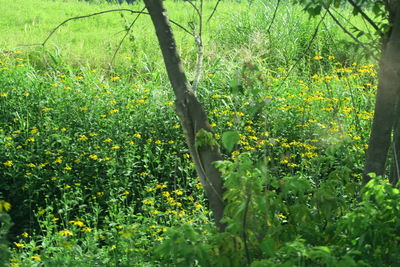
[190,112]
[388,91]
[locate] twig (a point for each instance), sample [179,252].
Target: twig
[200,54]
[306,50]
[246,247]
[100,13]
[199,42]
[373,24]
[194,7]
[215,9]
[126,34]
[274,16]
[351,35]
[87,16]
[348,21]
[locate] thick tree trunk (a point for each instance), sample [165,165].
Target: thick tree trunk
[388,92]
[190,112]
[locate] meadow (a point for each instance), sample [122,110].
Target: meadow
[94,166]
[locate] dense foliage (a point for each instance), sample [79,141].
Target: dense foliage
[96,170]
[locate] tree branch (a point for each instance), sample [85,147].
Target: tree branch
[373,24]
[100,13]
[126,34]
[351,35]
[215,9]
[199,41]
[87,16]
[274,16]
[306,50]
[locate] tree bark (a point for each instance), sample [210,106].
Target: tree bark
[387,94]
[190,111]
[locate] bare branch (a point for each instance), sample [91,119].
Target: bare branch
[348,21]
[351,35]
[190,2]
[126,34]
[370,21]
[307,48]
[274,16]
[100,13]
[200,53]
[87,16]
[215,9]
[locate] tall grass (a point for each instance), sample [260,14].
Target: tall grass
[237,34]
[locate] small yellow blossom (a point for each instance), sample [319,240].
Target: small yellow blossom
[65,232]
[178,192]
[83,137]
[87,229]
[36,258]
[94,157]
[4,205]
[19,245]
[8,163]
[148,202]
[161,186]
[115,110]
[77,223]
[25,234]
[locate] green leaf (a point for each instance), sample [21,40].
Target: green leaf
[229,139]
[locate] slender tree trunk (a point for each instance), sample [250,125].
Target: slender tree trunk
[388,92]
[190,112]
[395,168]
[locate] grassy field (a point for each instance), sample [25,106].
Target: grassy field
[93,159]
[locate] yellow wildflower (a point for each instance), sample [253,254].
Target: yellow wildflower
[19,245]
[36,258]
[4,206]
[77,223]
[8,163]
[65,232]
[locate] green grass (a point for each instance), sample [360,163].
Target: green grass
[236,34]
[94,161]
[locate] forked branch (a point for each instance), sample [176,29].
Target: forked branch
[101,13]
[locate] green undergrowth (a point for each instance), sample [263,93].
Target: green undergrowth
[97,171]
